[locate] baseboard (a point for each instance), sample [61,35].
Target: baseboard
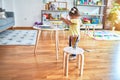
[23,28]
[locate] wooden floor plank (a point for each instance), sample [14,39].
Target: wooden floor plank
[19,62]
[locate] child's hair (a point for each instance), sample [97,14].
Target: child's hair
[74,12]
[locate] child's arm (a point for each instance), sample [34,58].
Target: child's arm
[81,24]
[68,22]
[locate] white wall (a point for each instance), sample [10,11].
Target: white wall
[7,5]
[27,12]
[0,3]
[69,2]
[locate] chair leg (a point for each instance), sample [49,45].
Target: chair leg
[88,30]
[85,32]
[78,63]
[56,44]
[93,31]
[52,34]
[67,64]
[37,40]
[64,34]
[64,57]
[82,64]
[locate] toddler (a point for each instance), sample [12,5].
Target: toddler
[74,23]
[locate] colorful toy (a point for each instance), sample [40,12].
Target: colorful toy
[48,16]
[86,21]
[52,7]
[81,1]
[95,20]
[36,24]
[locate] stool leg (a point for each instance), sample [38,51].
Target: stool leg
[82,64]
[88,30]
[64,33]
[93,30]
[56,44]
[78,63]
[51,33]
[64,57]
[66,66]
[85,32]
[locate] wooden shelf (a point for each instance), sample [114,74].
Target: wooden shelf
[54,10]
[91,5]
[96,26]
[54,20]
[92,24]
[92,10]
[91,15]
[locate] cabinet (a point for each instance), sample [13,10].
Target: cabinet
[92,12]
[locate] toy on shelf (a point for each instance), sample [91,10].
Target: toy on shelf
[48,16]
[89,2]
[56,23]
[81,1]
[91,20]
[36,24]
[95,20]
[86,21]
[99,2]
[54,5]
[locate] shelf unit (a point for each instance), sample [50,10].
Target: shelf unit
[92,15]
[91,5]
[92,11]
[55,14]
[53,11]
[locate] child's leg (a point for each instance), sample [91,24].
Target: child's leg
[70,44]
[76,41]
[73,40]
[70,41]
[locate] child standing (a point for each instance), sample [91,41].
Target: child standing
[74,23]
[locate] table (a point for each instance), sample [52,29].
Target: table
[56,29]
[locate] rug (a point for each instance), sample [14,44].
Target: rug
[18,37]
[104,35]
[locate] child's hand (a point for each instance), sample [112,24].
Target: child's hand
[61,18]
[81,25]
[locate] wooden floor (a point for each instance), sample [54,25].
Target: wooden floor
[19,62]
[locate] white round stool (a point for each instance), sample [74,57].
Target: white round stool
[79,53]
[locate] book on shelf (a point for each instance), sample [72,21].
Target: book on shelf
[89,2]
